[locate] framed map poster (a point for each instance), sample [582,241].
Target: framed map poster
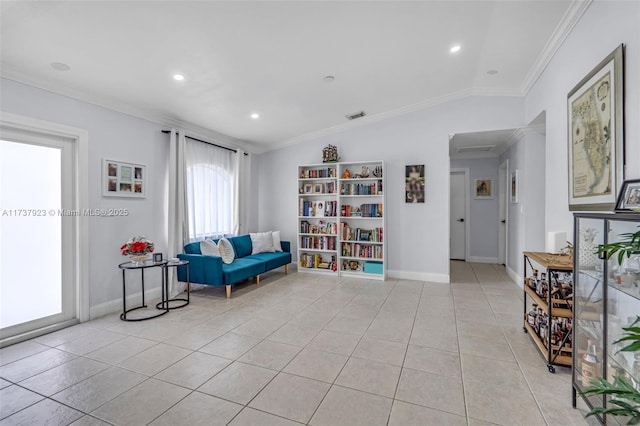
[595,108]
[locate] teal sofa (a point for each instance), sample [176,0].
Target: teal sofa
[211,270]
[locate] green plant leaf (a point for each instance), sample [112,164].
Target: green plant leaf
[631,348]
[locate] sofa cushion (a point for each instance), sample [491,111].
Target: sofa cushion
[226,250]
[209,248]
[241,269]
[193,248]
[242,245]
[261,242]
[277,244]
[272,260]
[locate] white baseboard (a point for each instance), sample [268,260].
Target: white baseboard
[515,277]
[419,276]
[112,306]
[478,259]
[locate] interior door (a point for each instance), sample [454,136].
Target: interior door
[503,200]
[457,211]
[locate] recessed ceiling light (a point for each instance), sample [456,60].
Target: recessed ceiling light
[59,66]
[328,79]
[455,48]
[492,72]
[178,77]
[255,115]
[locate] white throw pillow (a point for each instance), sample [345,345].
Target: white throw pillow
[226,250]
[261,242]
[277,246]
[209,248]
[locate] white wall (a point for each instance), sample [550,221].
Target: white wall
[115,136]
[525,223]
[604,26]
[483,220]
[417,234]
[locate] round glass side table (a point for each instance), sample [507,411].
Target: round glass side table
[142,266]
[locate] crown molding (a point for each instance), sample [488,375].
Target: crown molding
[568,21]
[10,73]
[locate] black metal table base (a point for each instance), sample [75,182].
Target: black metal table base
[123,316]
[165,304]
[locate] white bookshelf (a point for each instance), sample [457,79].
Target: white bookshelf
[317,218]
[341,219]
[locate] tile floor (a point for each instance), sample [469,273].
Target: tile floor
[299,349]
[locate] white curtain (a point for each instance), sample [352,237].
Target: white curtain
[178,220]
[240,189]
[211,188]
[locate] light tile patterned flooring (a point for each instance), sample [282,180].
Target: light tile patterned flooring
[299,348]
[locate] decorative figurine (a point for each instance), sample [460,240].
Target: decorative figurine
[346,174]
[330,154]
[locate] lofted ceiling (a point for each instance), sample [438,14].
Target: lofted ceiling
[271,58]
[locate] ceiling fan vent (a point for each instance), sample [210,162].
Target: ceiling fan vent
[356,115]
[482,148]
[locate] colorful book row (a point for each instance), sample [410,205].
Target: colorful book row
[327,172]
[374,188]
[317,261]
[317,243]
[365,210]
[357,234]
[320,228]
[365,251]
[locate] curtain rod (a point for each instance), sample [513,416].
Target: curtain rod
[210,143]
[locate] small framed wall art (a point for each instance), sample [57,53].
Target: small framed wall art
[120,179]
[629,197]
[483,189]
[514,186]
[414,183]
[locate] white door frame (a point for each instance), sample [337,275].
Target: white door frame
[467,211]
[13,123]
[503,244]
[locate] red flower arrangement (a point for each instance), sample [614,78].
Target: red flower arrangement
[136,246]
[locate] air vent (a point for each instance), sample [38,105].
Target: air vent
[480,148]
[356,115]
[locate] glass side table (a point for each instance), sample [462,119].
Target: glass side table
[166,302]
[147,264]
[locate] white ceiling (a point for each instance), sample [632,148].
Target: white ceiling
[240,57]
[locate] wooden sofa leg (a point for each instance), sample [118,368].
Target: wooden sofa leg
[228,292]
[257,279]
[286,269]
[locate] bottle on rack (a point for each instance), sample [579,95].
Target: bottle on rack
[590,364]
[531,316]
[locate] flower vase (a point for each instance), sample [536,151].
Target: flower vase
[138,259]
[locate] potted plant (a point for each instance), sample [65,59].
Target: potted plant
[625,399]
[629,245]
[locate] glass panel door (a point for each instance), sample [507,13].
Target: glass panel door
[588,305]
[36,288]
